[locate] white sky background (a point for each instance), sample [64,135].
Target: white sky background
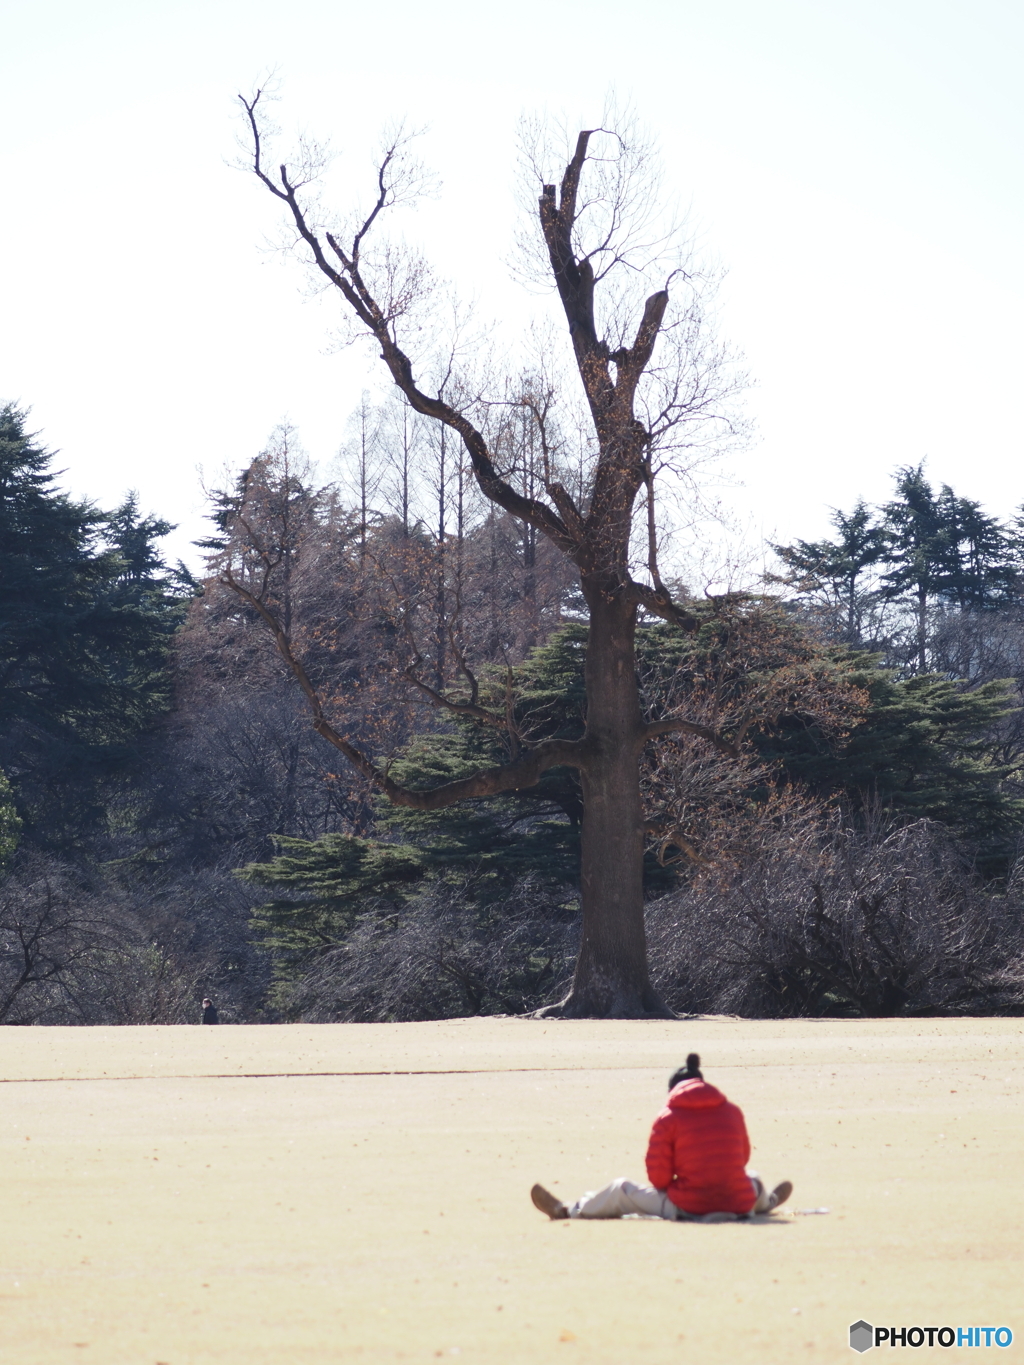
[855,166]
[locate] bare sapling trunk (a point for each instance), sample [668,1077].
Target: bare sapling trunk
[690,387]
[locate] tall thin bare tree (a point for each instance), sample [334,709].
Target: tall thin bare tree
[656,384]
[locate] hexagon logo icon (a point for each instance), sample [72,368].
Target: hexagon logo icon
[862,1336]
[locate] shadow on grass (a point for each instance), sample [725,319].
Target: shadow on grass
[708,1219]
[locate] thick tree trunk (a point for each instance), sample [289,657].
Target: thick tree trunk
[611,979]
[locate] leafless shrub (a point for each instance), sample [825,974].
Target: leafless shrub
[826,920]
[443,957]
[72,952]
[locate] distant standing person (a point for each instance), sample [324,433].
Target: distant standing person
[696,1163]
[209,1011]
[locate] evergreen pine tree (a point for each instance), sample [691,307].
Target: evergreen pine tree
[87,611]
[832,572]
[51,573]
[975,568]
[944,549]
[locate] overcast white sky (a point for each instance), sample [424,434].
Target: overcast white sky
[856,166]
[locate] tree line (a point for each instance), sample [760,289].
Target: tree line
[897,575]
[841,835]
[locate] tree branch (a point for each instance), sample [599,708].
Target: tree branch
[472,709]
[652,531]
[350,282]
[673,724]
[661,604]
[668,837]
[524,772]
[568,510]
[631,363]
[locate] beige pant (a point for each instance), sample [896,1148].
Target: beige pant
[623,1196]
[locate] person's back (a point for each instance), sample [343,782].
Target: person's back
[698,1151]
[696,1163]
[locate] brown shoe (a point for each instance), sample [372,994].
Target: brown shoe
[780,1194]
[547,1203]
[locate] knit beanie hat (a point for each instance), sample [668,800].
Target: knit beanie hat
[690,1072]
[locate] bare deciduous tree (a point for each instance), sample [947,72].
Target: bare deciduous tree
[658,389]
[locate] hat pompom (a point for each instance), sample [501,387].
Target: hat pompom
[690,1072]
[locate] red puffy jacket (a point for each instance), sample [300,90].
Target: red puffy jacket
[698,1149]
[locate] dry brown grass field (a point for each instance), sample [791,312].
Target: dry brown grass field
[301,1195]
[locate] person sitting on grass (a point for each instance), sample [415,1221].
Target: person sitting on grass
[696,1163]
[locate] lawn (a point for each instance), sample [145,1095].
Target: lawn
[298,1195]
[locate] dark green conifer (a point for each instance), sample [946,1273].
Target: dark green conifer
[87,612]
